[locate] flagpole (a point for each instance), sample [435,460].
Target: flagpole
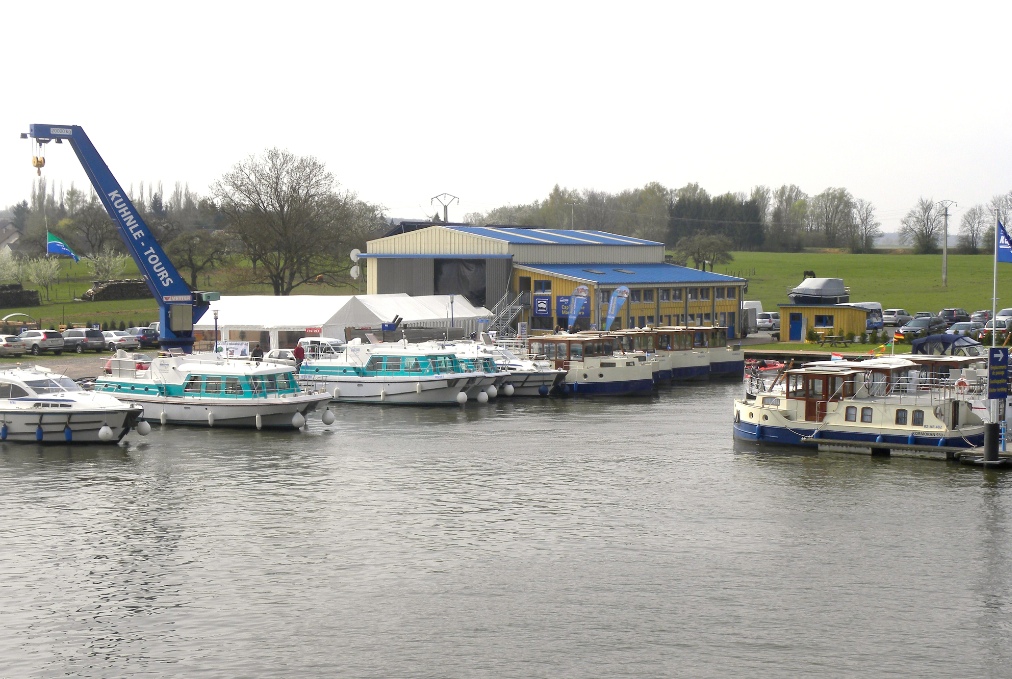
[994,284]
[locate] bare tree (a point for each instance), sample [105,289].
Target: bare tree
[973,230]
[43,271]
[832,217]
[867,227]
[290,219]
[922,227]
[196,251]
[95,226]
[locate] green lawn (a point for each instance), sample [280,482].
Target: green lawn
[912,282]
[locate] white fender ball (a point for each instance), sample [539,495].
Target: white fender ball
[508,389]
[461,398]
[492,391]
[482,397]
[298,421]
[143,428]
[105,433]
[328,416]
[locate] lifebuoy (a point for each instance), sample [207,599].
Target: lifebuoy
[962,385]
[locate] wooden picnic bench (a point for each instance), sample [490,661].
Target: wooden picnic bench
[834,340]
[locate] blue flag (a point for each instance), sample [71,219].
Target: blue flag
[576,302]
[618,298]
[1004,245]
[56,246]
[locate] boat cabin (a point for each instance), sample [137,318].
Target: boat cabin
[561,350]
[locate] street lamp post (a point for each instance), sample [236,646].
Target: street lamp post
[215,312]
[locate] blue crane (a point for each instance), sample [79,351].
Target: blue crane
[179,307]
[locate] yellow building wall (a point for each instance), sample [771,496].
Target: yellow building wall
[845,320]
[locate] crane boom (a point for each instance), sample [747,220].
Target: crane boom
[179,307]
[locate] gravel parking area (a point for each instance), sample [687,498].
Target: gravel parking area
[73,366]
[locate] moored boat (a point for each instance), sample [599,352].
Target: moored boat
[592,366]
[391,372]
[38,405]
[209,390]
[875,403]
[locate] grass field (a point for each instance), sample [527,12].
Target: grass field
[912,282]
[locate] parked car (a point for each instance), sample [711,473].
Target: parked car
[40,341]
[119,339]
[1004,313]
[11,345]
[970,328]
[280,357]
[1002,323]
[954,315]
[83,339]
[141,362]
[982,316]
[896,317]
[147,338]
[924,325]
[767,321]
[923,314]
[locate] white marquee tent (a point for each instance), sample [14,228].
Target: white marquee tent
[331,314]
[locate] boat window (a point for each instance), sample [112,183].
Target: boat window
[393,364]
[815,388]
[918,419]
[851,414]
[12,391]
[562,351]
[537,347]
[550,351]
[796,386]
[193,384]
[272,383]
[411,365]
[232,385]
[866,414]
[257,384]
[374,364]
[576,351]
[836,390]
[213,384]
[901,416]
[52,385]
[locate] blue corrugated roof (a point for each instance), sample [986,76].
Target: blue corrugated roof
[636,274]
[552,236]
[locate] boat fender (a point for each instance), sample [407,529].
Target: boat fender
[328,416]
[878,439]
[737,417]
[758,431]
[383,394]
[38,433]
[482,397]
[3,432]
[910,439]
[337,392]
[259,421]
[492,391]
[298,421]
[143,428]
[543,390]
[162,418]
[508,389]
[941,442]
[105,433]
[816,434]
[461,398]
[210,419]
[418,388]
[68,434]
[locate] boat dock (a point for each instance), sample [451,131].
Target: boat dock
[940,452]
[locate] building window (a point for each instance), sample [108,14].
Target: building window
[918,418]
[704,293]
[642,321]
[851,414]
[648,295]
[866,415]
[650,320]
[706,318]
[664,294]
[635,295]
[676,295]
[693,294]
[824,321]
[901,416]
[731,293]
[718,293]
[542,286]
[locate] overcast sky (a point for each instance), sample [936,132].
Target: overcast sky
[495,103]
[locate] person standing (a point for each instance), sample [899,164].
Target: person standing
[257,354]
[300,355]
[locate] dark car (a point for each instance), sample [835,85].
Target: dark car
[83,339]
[925,325]
[954,315]
[982,316]
[146,337]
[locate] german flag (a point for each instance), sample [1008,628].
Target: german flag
[897,336]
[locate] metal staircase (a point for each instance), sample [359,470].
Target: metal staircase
[504,313]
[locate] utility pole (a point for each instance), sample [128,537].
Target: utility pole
[445,199]
[945,240]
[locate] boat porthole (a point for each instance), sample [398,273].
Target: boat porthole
[750,414]
[766,417]
[584,375]
[600,375]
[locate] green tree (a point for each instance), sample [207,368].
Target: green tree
[705,248]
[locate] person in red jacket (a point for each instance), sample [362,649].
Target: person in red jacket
[300,356]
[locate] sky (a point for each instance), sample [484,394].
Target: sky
[496,103]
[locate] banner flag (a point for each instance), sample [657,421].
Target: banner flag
[618,297]
[56,246]
[576,302]
[1004,245]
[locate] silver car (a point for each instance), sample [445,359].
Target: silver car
[119,339]
[11,345]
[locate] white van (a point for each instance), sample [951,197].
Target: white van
[321,347]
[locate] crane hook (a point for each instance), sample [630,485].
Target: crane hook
[39,161]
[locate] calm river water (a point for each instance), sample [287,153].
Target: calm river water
[526,538]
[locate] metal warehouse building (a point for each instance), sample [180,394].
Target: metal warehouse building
[529,275]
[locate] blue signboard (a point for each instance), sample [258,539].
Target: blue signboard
[997,373]
[542,305]
[562,308]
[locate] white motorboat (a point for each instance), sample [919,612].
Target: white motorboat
[391,372]
[874,403]
[209,390]
[38,405]
[592,366]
